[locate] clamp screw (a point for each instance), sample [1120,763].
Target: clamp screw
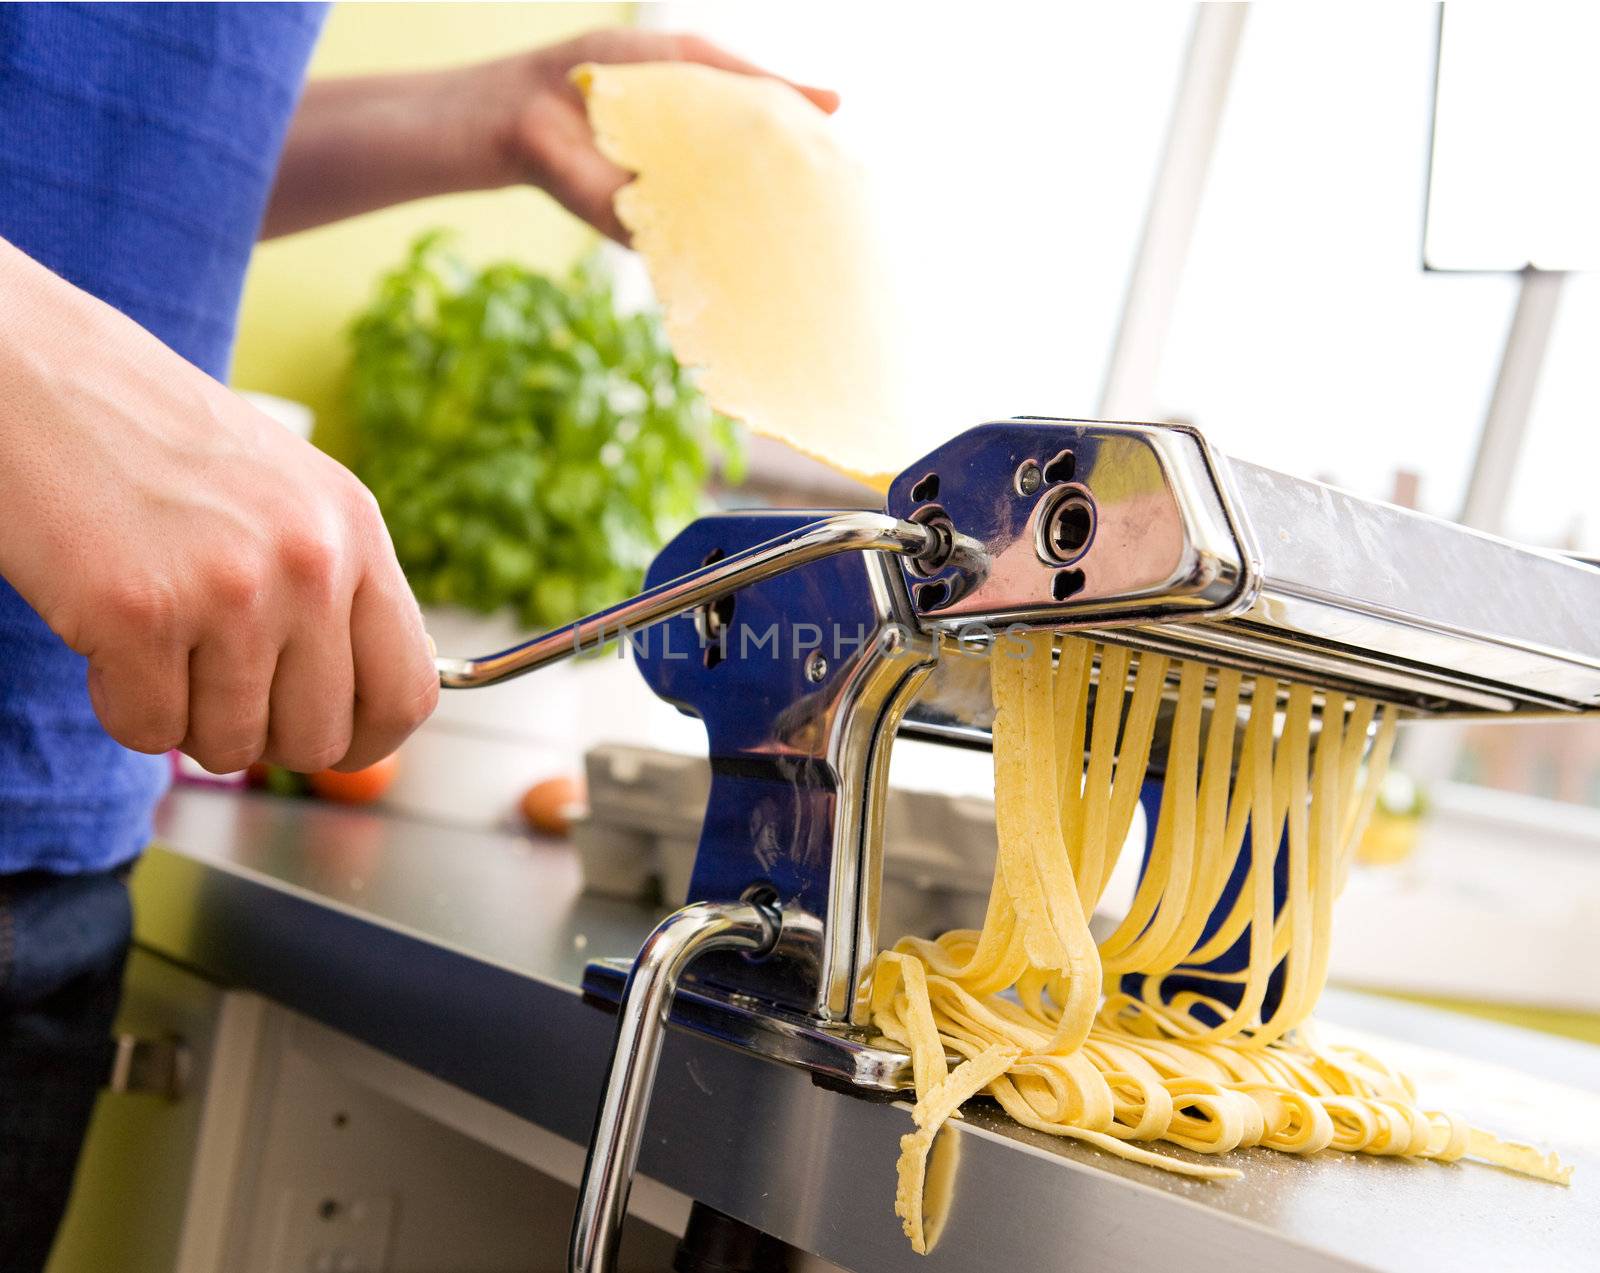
[1029,478]
[816,667]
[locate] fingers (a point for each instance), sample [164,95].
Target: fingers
[230,680]
[592,194]
[588,189]
[345,690]
[694,48]
[313,698]
[571,169]
[630,45]
[234,646]
[313,688]
[396,683]
[554,133]
[824,99]
[141,694]
[321,661]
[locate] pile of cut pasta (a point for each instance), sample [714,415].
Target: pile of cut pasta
[1041,1016]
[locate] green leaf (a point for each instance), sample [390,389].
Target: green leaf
[528,446]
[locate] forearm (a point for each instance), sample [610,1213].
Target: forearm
[29,323]
[360,144]
[53,339]
[78,379]
[371,141]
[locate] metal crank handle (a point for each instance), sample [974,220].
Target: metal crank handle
[641,1026]
[839,533]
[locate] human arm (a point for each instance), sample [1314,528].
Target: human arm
[233,589]
[367,142]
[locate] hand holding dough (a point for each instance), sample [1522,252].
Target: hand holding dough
[760,241]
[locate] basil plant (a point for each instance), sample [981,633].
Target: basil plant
[530,446]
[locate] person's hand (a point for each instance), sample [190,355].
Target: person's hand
[368,141]
[543,135]
[233,589]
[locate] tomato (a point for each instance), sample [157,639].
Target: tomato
[550,806]
[361,787]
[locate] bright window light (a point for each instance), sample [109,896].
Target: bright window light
[1013,149]
[1515,180]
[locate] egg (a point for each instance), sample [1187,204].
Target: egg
[551,804]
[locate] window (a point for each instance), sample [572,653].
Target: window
[1555,499]
[1307,336]
[1013,150]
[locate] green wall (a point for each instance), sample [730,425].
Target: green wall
[303,289]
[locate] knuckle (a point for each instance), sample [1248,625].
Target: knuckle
[139,606]
[363,503]
[368,528]
[312,562]
[236,583]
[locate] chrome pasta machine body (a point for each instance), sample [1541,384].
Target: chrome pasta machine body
[808,641]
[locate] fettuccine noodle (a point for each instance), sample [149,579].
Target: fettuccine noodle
[1041,1016]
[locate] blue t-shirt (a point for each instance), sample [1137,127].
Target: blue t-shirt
[137,151]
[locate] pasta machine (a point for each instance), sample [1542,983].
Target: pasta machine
[808,641]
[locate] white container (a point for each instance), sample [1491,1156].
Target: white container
[298,418]
[470,764]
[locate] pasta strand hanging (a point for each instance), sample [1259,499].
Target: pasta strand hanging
[1038,1015]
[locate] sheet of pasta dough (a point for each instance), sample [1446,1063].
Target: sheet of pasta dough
[759,237]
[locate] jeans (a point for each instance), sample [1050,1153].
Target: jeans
[63,942]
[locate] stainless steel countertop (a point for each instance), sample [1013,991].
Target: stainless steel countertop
[461,953]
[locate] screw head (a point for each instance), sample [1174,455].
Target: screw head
[1029,478]
[816,666]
